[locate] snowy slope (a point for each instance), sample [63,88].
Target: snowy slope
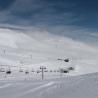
[34,49]
[69,87]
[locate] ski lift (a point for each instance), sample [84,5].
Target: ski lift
[26,72]
[38,71]
[20,69]
[70,68]
[58,71]
[32,71]
[8,72]
[66,60]
[59,59]
[64,71]
[50,70]
[46,71]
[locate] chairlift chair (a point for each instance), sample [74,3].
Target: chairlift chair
[32,71]
[46,71]
[8,72]
[70,68]
[66,60]
[26,72]
[64,71]
[38,71]
[50,70]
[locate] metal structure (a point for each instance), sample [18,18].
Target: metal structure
[43,68]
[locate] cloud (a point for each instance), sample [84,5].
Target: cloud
[60,17]
[48,12]
[76,33]
[37,12]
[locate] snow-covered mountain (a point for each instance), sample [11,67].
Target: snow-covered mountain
[36,48]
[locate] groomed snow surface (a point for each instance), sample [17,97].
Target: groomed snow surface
[28,51]
[85,86]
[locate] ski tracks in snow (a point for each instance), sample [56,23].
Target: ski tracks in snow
[36,89]
[5,86]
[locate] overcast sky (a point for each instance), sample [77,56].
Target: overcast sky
[73,18]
